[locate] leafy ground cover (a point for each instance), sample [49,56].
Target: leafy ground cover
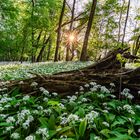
[93,115]
[22,71]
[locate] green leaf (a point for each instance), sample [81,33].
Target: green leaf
[82,127]
[92,136]
[81,112]
[122,137]
[6,124]
[43,122]
[51,122]
[105,132]
[53,103]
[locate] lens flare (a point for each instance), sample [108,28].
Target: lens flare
[71,37]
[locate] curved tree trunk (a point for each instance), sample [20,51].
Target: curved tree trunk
[85,44]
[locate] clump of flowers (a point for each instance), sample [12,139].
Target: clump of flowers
[128,108]
[126,93]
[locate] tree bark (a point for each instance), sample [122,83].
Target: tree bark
[49,48]
[45,42]
[120,18]
[85,44]
[70,29]
[137,47]
[127,15]
[59,31]
[104,72]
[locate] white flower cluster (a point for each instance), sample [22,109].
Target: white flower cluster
[72,98]
[72,118]
[24,118]
[91,116]
[26,124]
[105,124]
[15,136]
[84,100]
[138,107]
[61,106]
[126,93]
[97,138]
[63,137]
[10,119]
[55,94]
[31,137]
[44,91]
[34,84]
[112,84]
[63,120]
[104,89]
[47,111]
[4,100]
[94,86]
[129,109]
[43,132]
[45,99]
[26,98]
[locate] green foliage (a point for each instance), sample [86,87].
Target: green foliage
[21,71]
[95,115]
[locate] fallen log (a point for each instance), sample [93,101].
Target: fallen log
[104,72]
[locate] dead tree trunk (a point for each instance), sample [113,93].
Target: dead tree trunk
[104,72]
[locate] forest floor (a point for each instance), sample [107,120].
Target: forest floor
[92,113]
[16,71]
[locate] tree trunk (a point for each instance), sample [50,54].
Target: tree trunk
[32,14]
[85,44]
[127,15]
[59,31]
[120,18]
[104,72]
[45,42]
[49,48]
[70,29]
[137,47]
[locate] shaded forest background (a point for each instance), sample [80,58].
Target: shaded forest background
[59,30]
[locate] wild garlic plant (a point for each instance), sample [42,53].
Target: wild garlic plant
[93,114]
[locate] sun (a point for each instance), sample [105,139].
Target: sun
[71,37]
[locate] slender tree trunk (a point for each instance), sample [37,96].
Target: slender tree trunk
[85,44]
[59,31]
[120,18]
[45,42]
[33,56]
[137,47]
[134,43]
[127,15]
[70,29]
[49,48]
